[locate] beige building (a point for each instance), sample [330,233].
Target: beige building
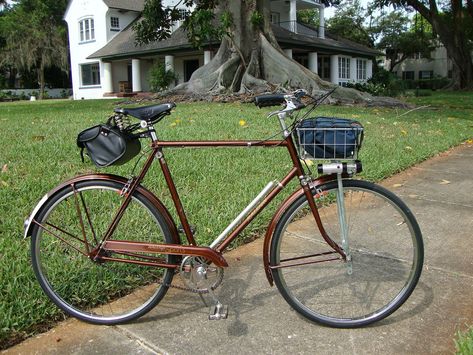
[417,68]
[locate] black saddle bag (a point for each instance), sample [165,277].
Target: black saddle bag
[106,145]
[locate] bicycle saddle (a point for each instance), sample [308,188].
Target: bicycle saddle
[147,113]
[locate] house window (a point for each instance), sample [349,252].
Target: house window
[114,23]
[90,74]
[86,30]
[407,75]
[360,69]
[426,74]
[343,68]
[183,13]
[275,17]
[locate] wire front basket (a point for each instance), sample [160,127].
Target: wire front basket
[327,138]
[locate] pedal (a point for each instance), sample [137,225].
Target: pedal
[218,311]
[180,229]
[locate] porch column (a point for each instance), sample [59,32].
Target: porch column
[369,69]
[169,66]
[321,21]
[169,62]
[107,78]
[288,52]
[293,16]
[334,69]
[313,62]
[136,75]
[207,56]
[353,69]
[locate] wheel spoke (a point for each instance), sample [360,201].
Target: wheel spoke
[104,289]
[386,257]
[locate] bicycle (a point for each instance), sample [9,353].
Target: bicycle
[105,249]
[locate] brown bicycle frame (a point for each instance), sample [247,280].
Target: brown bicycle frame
[214,255]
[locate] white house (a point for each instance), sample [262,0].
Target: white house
[106,62]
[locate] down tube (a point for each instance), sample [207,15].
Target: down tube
[291,175]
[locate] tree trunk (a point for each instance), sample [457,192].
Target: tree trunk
[41,80]
[12,78]
[250,60]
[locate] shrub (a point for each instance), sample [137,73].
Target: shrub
[160,78]
[382,83]
[432,84]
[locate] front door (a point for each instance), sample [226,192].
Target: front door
[190,66]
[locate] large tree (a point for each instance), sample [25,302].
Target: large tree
[249,58]
[401,38]
[452,21]
[352,21]
[34,37]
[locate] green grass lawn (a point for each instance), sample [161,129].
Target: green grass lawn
[38,150]
[464,342]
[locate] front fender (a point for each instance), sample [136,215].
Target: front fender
[277,217]
[104,177]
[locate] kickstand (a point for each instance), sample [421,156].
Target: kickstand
[218,310]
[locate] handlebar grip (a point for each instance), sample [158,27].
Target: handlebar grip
[269,100]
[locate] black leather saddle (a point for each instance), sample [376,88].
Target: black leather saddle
[147,113]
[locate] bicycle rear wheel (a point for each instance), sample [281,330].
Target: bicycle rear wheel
[386,248]
[100,292]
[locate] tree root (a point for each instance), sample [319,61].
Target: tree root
[226,73]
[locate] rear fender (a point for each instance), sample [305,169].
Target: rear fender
[277,217]
[28,226]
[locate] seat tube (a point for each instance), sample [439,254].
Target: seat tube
[175,197]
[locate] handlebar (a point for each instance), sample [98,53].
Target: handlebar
[292,101]
[269,100]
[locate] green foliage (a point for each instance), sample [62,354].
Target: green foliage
[202,27]
[160,79]
[401,38]
[226,20]
[349,22]
[382,83]
[431,84]
[309,16]
[44,46]
[464,342]
[157,21]
[256,19]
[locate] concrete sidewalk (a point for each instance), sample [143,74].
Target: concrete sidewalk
[439,192]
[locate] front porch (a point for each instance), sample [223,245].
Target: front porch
[130,77]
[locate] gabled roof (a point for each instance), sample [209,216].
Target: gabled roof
[126,5]
[130,5]
[123,44]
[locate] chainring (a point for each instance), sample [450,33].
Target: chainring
[199,275]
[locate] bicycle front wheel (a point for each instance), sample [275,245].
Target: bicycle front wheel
[71,224]
[383,240]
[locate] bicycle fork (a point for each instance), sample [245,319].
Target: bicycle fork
[343,224]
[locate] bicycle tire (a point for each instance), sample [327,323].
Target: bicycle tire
[106,292]
[385,243]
